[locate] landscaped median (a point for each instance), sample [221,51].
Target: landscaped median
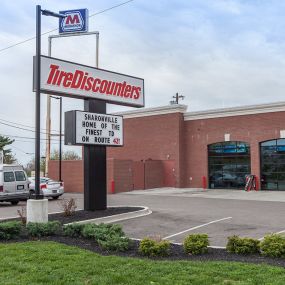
[41,262]
[90,253]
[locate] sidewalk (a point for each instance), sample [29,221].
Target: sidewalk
[273,196]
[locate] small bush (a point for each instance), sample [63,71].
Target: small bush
[273,246]
[23,215]
[240,245]
[196,244]
[73,230]
[68,206]
[115,243]
[10,230]
[43,229]
[109,237]
[152,248]
[102,232]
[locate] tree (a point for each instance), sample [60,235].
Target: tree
[66,155]
[9,158]
[30,166]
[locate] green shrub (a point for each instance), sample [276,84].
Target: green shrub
[115,243]
[196,244]
[73,230]
[152,248]
[9,230]
[273,246]
[43,229]
[245,245]
[109,237]
[102,232]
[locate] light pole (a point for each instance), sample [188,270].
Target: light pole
[48,120]
[39,12]
[60,135]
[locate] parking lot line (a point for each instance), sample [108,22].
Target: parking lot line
[277,233]
[197,227]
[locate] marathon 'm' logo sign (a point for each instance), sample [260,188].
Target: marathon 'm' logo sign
[74,21]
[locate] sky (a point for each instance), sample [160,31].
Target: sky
[217,53]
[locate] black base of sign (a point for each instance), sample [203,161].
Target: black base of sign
[95,186]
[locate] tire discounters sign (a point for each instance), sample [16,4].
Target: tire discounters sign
[93,129]
[70,79]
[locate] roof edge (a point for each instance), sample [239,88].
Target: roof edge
[235,111]
[145,112]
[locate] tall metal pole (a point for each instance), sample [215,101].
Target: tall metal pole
[60,136]
[38,102]
[97,49]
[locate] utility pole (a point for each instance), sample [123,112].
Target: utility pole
[176,99]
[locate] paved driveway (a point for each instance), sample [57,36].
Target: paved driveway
[179,212]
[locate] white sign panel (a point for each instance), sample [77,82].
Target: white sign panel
[80,81]
[99,129]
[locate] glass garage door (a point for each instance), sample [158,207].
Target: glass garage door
[229,163]
[272,155]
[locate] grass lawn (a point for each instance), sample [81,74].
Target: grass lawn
[52,263]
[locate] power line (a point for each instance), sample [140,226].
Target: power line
[22,125]
[95,14]
[24,141]
[20,128]
[24,137]
[28,153]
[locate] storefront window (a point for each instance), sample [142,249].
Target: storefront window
[229,163]
[272,155]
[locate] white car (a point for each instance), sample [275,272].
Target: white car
[49,187]
[14,184]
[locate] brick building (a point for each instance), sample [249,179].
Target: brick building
[168,146]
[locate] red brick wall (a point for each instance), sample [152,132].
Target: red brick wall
[72,174]
[153,137]
[249,128]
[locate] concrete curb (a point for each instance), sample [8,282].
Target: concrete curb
[116,218]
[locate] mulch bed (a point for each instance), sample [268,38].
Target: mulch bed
[176,252]
[87,215]
[82,215]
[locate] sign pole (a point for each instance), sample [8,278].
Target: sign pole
[95,185]
[38,103]
[95,173]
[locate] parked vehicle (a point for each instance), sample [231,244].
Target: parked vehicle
[14,184]
[49,187]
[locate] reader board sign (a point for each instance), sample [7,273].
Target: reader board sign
[83,128]
[71,79]
[75,21]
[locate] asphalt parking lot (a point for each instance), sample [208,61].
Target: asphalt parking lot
[179,212]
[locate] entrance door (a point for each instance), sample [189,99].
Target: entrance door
[272,155]
[229,163]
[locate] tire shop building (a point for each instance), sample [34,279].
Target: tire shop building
[170,147]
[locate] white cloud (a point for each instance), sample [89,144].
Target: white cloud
[216,53]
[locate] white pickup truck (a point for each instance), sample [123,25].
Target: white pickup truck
[14,184]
